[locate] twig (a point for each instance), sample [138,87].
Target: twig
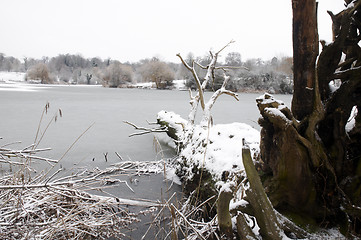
[121,159]
[186,220]
[145,130]
[156,217]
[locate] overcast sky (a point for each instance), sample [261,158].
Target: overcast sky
[136,29]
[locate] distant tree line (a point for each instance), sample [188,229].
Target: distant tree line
[274,76]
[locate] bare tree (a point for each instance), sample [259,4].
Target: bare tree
[117,74]
[158,72]
[233,59]
[39,72]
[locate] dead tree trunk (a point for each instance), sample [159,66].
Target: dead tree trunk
[305,51]
[313,167]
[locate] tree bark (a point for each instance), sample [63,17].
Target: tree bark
[224,217]
[305,52]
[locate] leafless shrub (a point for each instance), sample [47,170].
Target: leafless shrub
[158,72]
[39,72]
[117,74]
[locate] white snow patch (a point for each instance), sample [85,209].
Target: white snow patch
[251,222]
[227,187]
[9,77]
[236,204]
[268,99]
[277,113]
[351,5]
[179,84]
[351,122]
[334,85]
[15,81]
[170,175]
[145,85]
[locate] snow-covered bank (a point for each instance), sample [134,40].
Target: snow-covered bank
[177,85]
[11,77]
[15,81]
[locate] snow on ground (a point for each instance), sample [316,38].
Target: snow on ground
[178,85]
[145,85]
[19,87]
[9,77]
[15,81]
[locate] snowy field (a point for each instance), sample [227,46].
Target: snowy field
[15,81]
[10,77]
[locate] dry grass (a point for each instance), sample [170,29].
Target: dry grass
[42,206]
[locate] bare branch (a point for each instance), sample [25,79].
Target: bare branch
[196,79]
[201,66]
[212,100]
[145,130]
[227,45]
[184,62]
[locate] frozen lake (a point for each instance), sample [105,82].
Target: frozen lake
[21,106]
[82,106]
